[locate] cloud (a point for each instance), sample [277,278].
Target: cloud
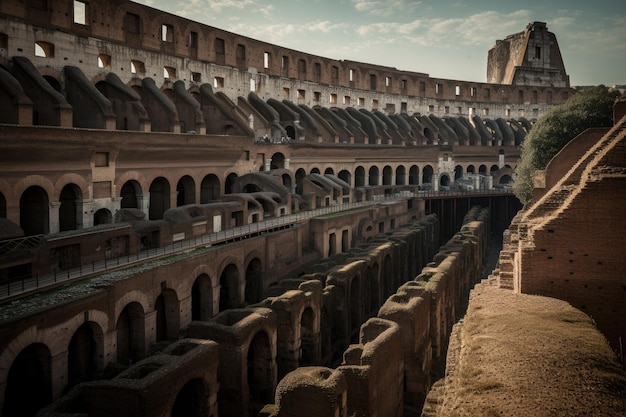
[219,5]
[385,7]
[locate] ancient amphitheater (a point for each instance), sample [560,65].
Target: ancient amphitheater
[197,223]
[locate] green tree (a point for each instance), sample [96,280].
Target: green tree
[591,107]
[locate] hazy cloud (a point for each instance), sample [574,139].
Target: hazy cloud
[385,7]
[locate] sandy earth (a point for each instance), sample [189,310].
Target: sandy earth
[522,355]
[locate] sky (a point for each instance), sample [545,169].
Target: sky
[443,38]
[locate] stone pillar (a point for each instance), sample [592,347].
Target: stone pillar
[477,182]
[268,164]
[150,327]
[490,182]
[287,163]
[53,217]
[501,160]
[84,213]
[143,204]
[58,372]
[109,347]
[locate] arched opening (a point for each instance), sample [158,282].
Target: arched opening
[300,174]
[387,175]
[260,373]
[34,211]
[159,198]
[202,298]
[230,181]
[315,170]
[444,182]
[471,169]
[291,132]
[414,175]
[102,216]
[458,172]
[344,175]
[251,188]
[254,282]
[29,382]
[506,179]
[329,171]
[373,176]
[278,161]
[191,401]
[287,181]
[482,170]
[185,191]
[359,177]
[82,356]
[494,168]
[67,210]
[130,190]
[209,189]
[400,175]
[427,175]
[307,338]
[130,328]
[229,282]
[168,315]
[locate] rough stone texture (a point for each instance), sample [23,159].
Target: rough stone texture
[524,355]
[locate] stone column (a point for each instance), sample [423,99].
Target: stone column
[287,163]
[268,164]
[58,372]
[143,204]
[53,217]
[84,213]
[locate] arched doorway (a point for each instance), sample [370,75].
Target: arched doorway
[209,189]
[414,175]
[102,216]
[260,372]
[254,282]
[29,382]
[229,283]
[387,175]
[82,354]
[329,171]
[67,210]
[191,401]
[300,174]
[373,176]
[359,177]
[230,181]
[427,174]
[34,211]
[202,298]
[131,334]
[129,192]
[168,315]
[400,175]
[185,191]
[278,161]
[344,175]
[159,198]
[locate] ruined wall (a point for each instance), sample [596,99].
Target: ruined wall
[568,243]
[424,311]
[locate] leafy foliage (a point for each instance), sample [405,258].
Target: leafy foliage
[591,107]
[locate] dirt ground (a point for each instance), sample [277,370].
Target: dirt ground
[519,355]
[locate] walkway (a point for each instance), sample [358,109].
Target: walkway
[22,287]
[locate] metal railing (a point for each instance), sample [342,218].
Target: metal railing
[29,284]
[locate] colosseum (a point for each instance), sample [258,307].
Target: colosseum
[198,223]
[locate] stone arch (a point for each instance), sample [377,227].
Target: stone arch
[329,171]
[32,180]
[167,307]
[185,191]
[471,169]
[84,354]
[387,175]
[130,327]
[444,180]
[482,169]
[102,216]
[259,365]
[372,175]
[414,175]
[229,285]
[309,327]
[28,381]
[254,279]
[159,197]
[230,182]
[400,175]
[202,297]
[34,211]
[503,176]
[345,176]
[427,174]
[315,170]
[70,217]
[74,180]
[191,400]
[278,161]
[300,174]
[210,188]
[458,172]
[128,176]
[129,297]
